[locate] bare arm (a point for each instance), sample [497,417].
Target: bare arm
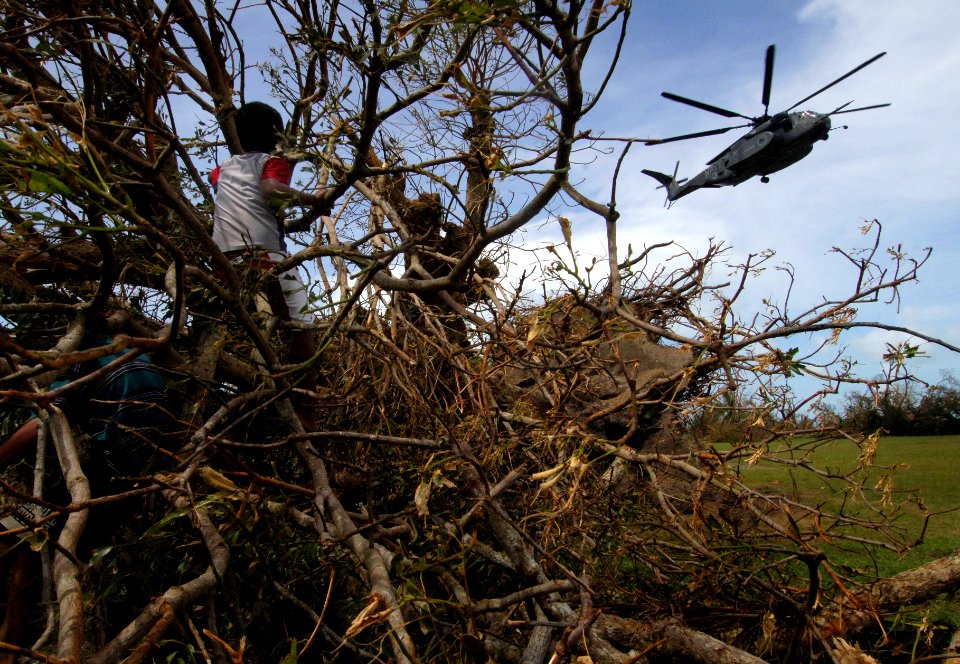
[19,443]
[274,190]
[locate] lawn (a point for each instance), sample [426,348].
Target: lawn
[925,474]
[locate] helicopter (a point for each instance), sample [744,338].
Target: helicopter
[773,142]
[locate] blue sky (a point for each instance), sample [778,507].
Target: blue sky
[897,165]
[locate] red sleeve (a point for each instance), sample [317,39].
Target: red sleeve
[278,169]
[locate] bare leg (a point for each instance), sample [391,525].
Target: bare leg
[303,345]
[13,628]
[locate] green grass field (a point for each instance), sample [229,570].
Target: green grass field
[926,474]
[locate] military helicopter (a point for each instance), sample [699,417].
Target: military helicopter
[773,143]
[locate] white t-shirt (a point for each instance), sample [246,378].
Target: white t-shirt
[242,218]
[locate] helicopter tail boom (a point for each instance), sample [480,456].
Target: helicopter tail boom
[662,178]
[669,182]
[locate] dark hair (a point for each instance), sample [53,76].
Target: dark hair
[257,127]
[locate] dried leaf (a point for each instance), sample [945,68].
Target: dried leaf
[845,653]
[567,230]
[868,449]
[370,615]
[756,456]
[768,626]
[421,496]
[218,480]
[536,330]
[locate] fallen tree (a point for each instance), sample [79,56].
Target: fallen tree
[489,475]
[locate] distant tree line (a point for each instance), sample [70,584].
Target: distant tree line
[898,409]
[904,410]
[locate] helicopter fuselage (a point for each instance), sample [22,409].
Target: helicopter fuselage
[773,142]
[778,142]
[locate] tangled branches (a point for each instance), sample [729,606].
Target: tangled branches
[528,495]
[481,476]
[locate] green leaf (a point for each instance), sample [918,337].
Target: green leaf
[43,183]
[100,554]
[291,657]
[902,352]
[159,525]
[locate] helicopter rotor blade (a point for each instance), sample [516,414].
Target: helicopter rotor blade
[845,76]
[704,107]
[768,78]
[861,108]
[840,108]
[699,134]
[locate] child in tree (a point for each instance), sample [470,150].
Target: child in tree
[252,187]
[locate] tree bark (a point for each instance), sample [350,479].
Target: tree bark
[670,637]
[862,608]
[66,575]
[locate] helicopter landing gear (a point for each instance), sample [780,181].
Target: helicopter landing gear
[764,179]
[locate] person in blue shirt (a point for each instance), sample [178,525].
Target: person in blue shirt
[126,417]
[124,412]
